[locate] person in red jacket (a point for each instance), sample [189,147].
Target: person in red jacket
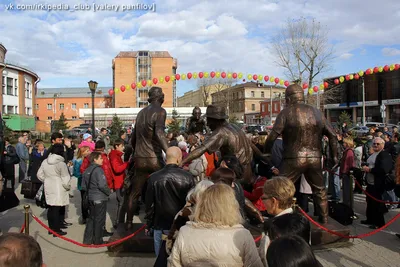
[119,168]
[100,147]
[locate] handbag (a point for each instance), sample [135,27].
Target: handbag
[85,197]
[41,198]
[8,199]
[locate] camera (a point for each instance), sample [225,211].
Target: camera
[364,164]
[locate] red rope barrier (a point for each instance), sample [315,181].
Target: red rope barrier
[85,245]
[22,229]
[348,236]
[365,192]
[258,239]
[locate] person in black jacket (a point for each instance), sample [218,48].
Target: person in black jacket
[69,147]
[166,195]
[379,165]
[8,168]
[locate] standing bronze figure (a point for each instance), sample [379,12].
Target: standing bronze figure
[302,127]
[148,142]
[227,138]
[195,124]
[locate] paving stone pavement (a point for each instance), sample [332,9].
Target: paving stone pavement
[376,251]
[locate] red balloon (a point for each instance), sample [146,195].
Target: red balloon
[144,83]
[212,74]
[276,80]
[336,81]
[286,83]
[133,85]
[305,86]
[386,68]
[315,88]
[266,78]
[376,70]
[397,66]
[189,75]
[167,78]
[223,75]
[255,77]
[155,80]
[123,88]
[177,76]
[347,77]
[201,75]
[356,76]
[326,85]
[368,71]
[111,92]
[234,75]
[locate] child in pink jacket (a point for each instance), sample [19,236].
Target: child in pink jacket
[87,141]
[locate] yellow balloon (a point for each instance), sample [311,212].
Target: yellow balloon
[195,75]
[116,90]
[218,74]
[161,79]
[229,75]
[351,77]
[173,78]
[380,69]
[206,74]
[271,79]
[391,67]
[310,91]
[149,83]
[183,76]
[361,73]
[321,86]
[139,85]
[281,82]
[249,77]
[341,79]
[240,75]
[260,77]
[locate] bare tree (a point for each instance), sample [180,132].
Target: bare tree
[303,50]
[205,90]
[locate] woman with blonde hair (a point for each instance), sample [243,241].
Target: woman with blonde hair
[216,236]
[82,153]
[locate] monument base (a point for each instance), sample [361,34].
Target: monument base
[140,243]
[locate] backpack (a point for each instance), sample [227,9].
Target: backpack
[357,158]
[16,159]
[340,212]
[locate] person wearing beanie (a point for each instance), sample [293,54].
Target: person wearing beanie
[87,141]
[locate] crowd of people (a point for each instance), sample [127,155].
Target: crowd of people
[197,210]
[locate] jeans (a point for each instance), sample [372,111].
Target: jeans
[158,240]
[390,196]
[348,198]
[121,206]
[95,223]
[334,183]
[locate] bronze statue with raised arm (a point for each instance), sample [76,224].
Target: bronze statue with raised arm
[148,143]
[302,127]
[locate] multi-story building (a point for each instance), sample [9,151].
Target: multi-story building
[51,102]
[135,66]
[266,114]
[245,98]
[380,88]
[201,96]
[18,90]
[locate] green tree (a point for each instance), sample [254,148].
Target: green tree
[174,126]
[345,117]
[115,127]
[60,124]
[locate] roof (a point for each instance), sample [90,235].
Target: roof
[250,85]
[71,92]
[159,54]
[3,47]
[16,67]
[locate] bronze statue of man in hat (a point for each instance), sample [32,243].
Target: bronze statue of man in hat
[302,127]
[195,124]
[148,142]
[227,138]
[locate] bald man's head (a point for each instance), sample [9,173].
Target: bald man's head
[174,155]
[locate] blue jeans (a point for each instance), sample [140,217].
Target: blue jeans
[158,240]
[334,183]
[390,196]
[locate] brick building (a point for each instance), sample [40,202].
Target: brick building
[135,66]
[51,102]
[265,109]
[201,96]
[17,90]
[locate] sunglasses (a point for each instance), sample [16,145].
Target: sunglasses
[377,144]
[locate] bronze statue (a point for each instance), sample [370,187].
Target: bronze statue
[227,138]
[302,127]
[195,124]
[148,142]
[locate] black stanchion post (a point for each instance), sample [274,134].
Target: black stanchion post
[27,208]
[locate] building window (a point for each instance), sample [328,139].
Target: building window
[262,108]
[73,105]
[74,117]
[49,106]
[28,111]
[37,118]
[15,87]
[36,106]
[10,85]
[262,94]
[86,105]
[10,109]
[49,117]
[61,106]
[253,107]
[4,86]
[276,107]
[4,109]
[252,94]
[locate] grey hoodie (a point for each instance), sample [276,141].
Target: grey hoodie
[98,190]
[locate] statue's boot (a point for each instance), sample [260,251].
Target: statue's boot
[128,225]
[323,217]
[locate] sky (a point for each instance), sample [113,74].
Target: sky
[67,48]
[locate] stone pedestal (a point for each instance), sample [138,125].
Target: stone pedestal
[320,237]
[140,243]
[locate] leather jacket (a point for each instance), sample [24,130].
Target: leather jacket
[166,195]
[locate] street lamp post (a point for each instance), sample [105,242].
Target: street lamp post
[93,87]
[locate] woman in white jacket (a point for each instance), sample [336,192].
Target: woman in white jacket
[56,178]
[216,236]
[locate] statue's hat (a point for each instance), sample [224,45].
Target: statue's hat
[216,112]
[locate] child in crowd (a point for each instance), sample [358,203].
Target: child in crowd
[83,152]
[87,141]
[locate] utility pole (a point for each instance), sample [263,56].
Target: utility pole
[270,112]
[363,101]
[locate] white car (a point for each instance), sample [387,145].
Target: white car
[360,130]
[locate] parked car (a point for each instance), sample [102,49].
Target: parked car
[374,124]
[255,128]
[359,130]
